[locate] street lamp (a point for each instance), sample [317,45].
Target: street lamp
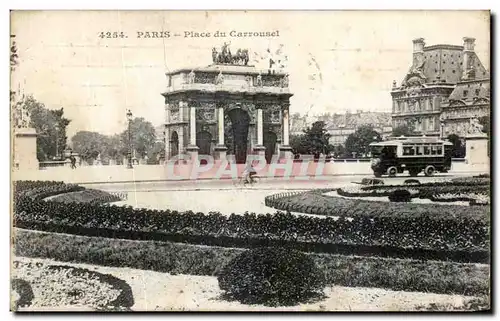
[129,154]
[57,141]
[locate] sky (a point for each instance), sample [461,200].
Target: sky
[337,60]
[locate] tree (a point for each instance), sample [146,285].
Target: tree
[143,137]
[359,141]
[298,144]
[91,144]
[13,63]
[403,130]
[338,150]
[156,152]
[13,54]
[50,126]
[316,140]
[458,146]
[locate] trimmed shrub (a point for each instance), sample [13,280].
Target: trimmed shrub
[271,276]
[400,195]
[178,258]
[25,292]
[412,181]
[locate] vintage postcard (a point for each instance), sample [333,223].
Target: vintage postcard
[250,160]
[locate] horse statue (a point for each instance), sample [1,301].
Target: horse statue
[237,57]
[215,55]
[245,56]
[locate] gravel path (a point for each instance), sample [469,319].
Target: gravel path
[154,291]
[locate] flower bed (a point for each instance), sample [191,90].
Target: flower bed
[93,196]
[470,182]
[315,202]
[55,285]
[461,192]
[360,229]
[460,239]
[176,258]
[458,197]
[355,191]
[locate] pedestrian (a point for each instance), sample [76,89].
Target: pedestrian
[73,161]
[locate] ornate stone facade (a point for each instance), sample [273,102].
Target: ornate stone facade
[226,108]
[445,87]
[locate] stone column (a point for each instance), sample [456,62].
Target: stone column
[167,130]
[260,128]
[220,149]
[259,149]
[192,149]
[285,149]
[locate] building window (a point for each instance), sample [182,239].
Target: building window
[453,71]
[465,93]
[477,92]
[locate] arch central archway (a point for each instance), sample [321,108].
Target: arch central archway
[174,144]
[237,122]
[204,141]
[270,139]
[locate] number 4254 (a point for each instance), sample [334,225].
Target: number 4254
[109,34]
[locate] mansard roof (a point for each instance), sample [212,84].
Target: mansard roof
[471,92]
[444,64]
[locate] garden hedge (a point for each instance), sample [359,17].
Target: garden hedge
[176,258]
[311,202]
[461,238]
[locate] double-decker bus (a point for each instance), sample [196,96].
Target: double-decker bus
[412,154]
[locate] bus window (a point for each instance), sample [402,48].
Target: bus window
[427,150]
[418,150]
[433,150]
[439,150]
[408,150]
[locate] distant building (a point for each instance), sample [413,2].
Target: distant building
[298,124]
[340,126]
[444,89]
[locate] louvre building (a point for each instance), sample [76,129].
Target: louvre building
[446,86]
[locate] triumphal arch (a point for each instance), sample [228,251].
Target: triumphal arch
[227,108]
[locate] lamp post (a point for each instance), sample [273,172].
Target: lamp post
[129,154]
[57,141]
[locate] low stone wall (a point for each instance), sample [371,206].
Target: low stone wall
[295,170]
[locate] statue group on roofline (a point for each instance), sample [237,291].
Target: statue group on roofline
[225,57]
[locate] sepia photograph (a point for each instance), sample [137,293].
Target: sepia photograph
[291,161]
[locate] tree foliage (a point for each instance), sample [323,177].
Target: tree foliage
[13,54]
[50,126]
[315,141]
[359,141]
[143,136]
[458,146]
[403,130]
[91,144]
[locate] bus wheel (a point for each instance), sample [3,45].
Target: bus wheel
[392,171]
[414,172]
[429,170]
[377,174]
